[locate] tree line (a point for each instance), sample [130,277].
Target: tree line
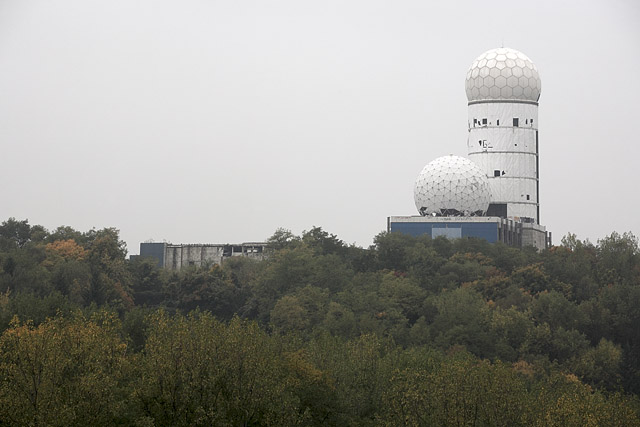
[411,331]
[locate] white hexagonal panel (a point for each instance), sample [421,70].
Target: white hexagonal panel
[503,62]
[452,186]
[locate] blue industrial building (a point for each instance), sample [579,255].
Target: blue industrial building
[487,231]
[491,229]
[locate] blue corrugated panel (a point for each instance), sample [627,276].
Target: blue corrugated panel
[414,229]
[483,230]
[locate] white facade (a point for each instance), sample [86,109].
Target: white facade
[503,130]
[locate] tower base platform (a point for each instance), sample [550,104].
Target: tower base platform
[492,229]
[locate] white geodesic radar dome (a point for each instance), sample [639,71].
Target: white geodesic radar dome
[452,186]
[503,73]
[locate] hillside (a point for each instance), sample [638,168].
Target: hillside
[410,331]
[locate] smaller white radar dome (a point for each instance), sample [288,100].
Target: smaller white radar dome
[452,186]
[503,73]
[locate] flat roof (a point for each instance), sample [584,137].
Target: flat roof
[418,218]
[463,219]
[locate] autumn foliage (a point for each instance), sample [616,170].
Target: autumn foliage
[410,331]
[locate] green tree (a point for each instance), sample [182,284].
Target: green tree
[283,239]
[423,263]
[110,278]
[300,312]
[198,371]
[70,273]
[463,319]
[554,309]
[148,282]
[392,250]
[511,327]
[573,265]
[533,278]
[207,289]
[14,234]
[34,308]
[63,372]
[324,243]
[600,366]
[340,321]
[618,259]
[22,270]
[458,391]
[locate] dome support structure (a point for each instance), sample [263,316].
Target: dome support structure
[503,87]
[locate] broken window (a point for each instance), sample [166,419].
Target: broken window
[497,210]
[516,122]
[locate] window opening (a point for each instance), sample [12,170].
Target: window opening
[528,198]
[226,251]
[484,122]
[516,121]
[498,122]
[496,173]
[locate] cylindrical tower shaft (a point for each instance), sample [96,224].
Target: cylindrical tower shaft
[503,87]
[503,142]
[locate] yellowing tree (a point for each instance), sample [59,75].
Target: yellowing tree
[66,249]
[63,372]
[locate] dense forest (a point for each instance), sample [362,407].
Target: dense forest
[411,331]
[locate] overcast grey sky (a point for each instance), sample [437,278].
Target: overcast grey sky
[201,121]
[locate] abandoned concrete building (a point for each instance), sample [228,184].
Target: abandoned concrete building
[176,257]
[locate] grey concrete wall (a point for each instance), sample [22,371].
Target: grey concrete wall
[533,236]
[182,256]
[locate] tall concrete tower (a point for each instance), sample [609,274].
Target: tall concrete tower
[503,88]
